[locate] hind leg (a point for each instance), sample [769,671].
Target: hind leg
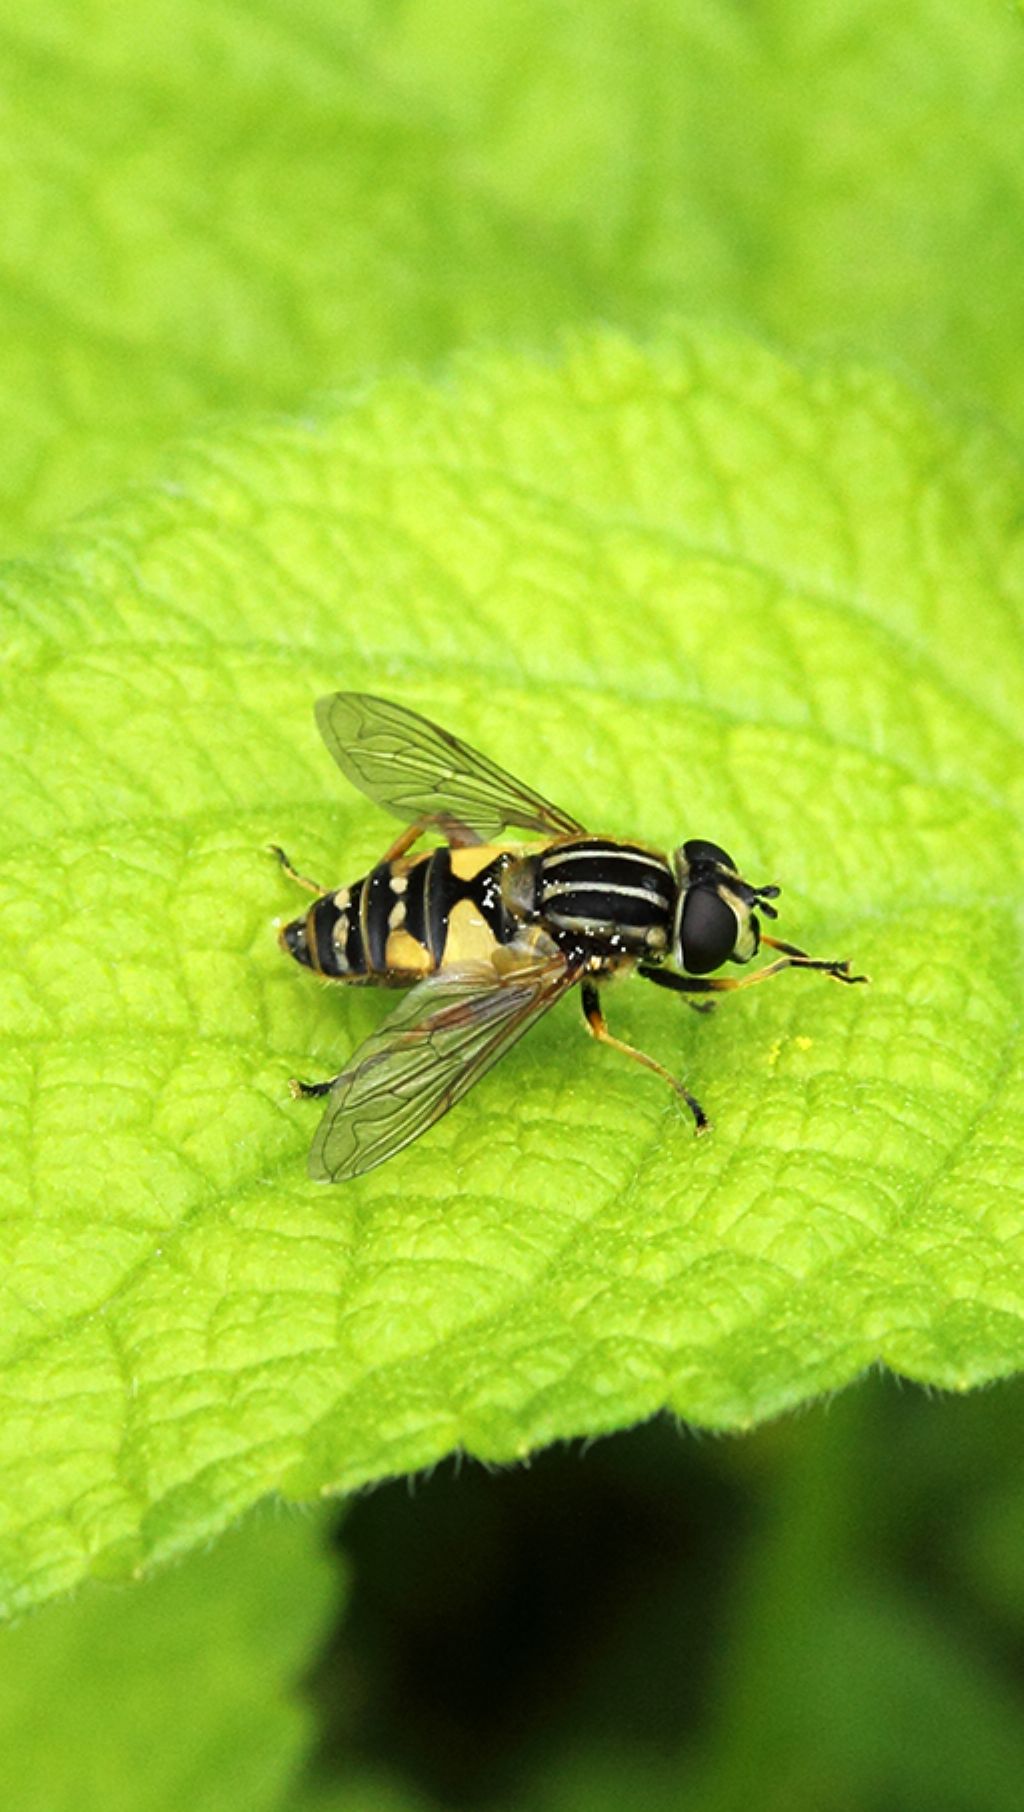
[293,873]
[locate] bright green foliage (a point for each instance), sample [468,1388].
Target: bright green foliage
[182,1692]
[688,592]
[213,208]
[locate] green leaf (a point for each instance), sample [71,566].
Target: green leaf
[180,1692]
[688,590]
[842,174]
[223,209]
[217,208]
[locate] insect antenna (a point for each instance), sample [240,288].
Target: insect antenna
[762,895]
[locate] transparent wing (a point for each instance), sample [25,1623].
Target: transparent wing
[441,1039]
[418,771]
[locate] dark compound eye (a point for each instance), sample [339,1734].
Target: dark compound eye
[708,931]
[698,851]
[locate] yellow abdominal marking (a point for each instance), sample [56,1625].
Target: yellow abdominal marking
[470,938]
[405,952]
[467,863]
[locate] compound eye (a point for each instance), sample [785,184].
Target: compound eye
[698,851]
[708,931]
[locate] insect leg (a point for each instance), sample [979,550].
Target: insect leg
[598,1025]
[308,1091]
[722,984]
[801,960]
[456,835]
[293,873]
[403,843]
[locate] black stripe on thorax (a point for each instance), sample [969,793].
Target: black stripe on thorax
[585,848]
[611,894]
[611,908]
[602,867]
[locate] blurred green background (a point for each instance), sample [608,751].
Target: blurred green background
[211,211]
[825,1614]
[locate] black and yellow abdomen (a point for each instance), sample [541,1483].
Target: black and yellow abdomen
[406,919]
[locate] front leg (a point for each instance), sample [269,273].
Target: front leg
[799,959]
[839,970]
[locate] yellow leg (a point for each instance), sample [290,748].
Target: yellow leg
[840,971]
[405,842]
[455,834]
[293,873]
[599,1027]
[724,984]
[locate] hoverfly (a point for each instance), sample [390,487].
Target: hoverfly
[487,936]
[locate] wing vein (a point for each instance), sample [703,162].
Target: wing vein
[419,772]
[437,1043]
